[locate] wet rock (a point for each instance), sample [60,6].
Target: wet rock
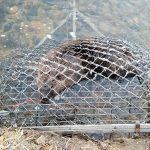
[14,13]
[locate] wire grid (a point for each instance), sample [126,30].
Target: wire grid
[85,81]
[81,82]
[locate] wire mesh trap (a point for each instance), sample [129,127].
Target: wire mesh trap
[84,81]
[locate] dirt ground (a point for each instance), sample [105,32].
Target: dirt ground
[18,139]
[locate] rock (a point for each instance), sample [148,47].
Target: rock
[14,13]
[42,27]
[31,2]
[14,10]
[41,140]
[48,147]
[103,145]
[120,140]
[37,24]
[135,136]
[1,1]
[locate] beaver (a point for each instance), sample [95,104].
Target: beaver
[83,59]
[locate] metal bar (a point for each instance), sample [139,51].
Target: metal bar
[107,128]
[74,20]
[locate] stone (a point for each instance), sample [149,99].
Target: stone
[37,24]
[48,147]
[14,10]
[41,140]
[31,2]
[103,145]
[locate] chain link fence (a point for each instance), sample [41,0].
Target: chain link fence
[86,81]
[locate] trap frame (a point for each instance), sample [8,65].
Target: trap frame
[99,104]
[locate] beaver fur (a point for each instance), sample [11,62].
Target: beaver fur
[83,59]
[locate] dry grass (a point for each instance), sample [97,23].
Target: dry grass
[19,139]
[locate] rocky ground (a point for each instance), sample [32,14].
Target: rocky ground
[18,139]
[25,23]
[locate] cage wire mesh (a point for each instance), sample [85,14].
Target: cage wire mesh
[91,80]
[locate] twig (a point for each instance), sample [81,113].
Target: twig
[67,143]
[28,138]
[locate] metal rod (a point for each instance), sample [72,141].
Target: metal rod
[107,128]
[74,20]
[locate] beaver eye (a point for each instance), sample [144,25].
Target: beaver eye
[58,77]
[126,52]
